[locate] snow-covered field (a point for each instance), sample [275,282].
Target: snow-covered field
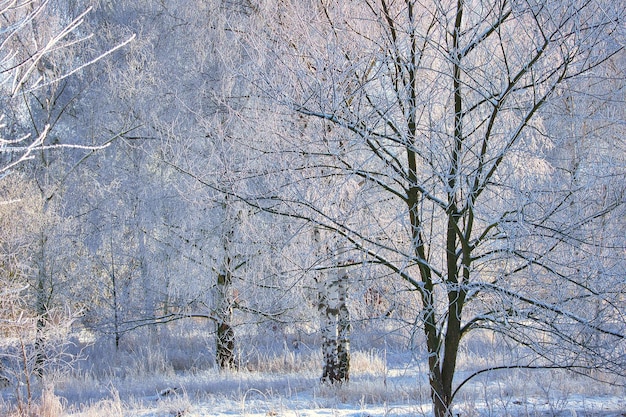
[574,406]
[399,389]
[176,378]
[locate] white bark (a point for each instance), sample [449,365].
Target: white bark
[334,317]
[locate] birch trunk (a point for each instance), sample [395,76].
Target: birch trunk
[334,319]
[225,335]
[343,327]
[328,328]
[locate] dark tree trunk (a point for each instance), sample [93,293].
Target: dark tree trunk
[225,348]
[343,329]
[225,339]
[42,312]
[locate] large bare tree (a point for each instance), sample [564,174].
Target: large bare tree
[443,112]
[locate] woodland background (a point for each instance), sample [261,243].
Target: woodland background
[284,185]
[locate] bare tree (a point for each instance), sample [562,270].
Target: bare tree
[332,292]
[441,110]
[184,98]
[38,49]
[46,51]
[43,53]
[36,338]
[333,261]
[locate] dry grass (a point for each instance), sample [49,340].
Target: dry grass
[47,405]
[110,382]
[285,361]
[372,362]
[110,407]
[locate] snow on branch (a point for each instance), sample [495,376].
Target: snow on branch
[481,286]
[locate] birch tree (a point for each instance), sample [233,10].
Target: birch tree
[332,293]
[441,109]
[332,282]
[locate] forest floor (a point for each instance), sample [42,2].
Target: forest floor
[396,387]
[167,380]
[260,405]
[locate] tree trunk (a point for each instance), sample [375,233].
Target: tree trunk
[440,391]
[114,293]
[343,328]
[441,404]
[39,338]
[225,334]
[334,320]
[225,348]
[225,339]
[328,329]
[41,310]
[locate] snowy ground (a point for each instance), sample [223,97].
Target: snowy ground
[287,384]
[400,391]
[576,407]
[258,404]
